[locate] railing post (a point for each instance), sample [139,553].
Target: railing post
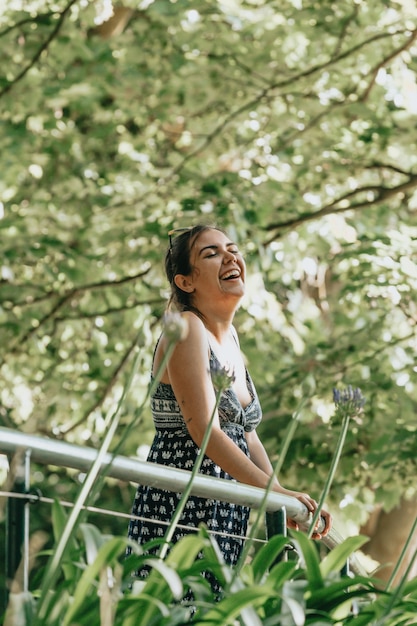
[345,571]
[276,524]
[17,525]
[26,530]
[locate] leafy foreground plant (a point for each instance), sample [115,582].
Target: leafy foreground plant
[96,588]
[21,604]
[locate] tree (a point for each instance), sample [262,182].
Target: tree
[290,123]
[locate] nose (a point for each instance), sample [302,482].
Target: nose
[229,256]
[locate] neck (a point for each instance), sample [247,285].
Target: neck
[219,328]
[218,318]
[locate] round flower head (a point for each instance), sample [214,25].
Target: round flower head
[175,327]
[222,377]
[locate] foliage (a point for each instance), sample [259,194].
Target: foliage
[97,589]
[292,124]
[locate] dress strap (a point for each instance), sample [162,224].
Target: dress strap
[234,335]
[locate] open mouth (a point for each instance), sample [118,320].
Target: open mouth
[232,274]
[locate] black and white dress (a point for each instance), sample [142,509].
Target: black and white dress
[173,446]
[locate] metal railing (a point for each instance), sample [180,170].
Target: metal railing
[61,454]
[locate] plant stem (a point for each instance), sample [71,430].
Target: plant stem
[95,476]
[393,596]
[277,468]
[332,471]
[185,495]
[402,555]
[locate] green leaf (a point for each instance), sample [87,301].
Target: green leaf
[228,609]
[59,520]
[267,555]
[106,557]
[162,578]
[185,551]
[311,559]
[339,555]
[93,540]
[280,573]
[335,593]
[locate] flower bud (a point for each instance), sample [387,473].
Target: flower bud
[175,327]
[222,377]
[349,401]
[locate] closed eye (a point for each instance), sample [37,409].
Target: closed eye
[214,249]
[215,253]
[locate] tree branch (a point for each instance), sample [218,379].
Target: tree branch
[109,311]
[374,72]
[64,430]
[381,193]
[26,20]
[272,87]
[345,24]
[70,293]
[81,288]
[41,49]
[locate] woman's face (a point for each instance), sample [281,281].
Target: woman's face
[218,268]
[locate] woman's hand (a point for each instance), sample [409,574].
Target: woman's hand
[311,505]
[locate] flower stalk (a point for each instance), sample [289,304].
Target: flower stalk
[222,379]
[97,473]
[277,468]
[348,403]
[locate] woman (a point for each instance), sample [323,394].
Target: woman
[207,276]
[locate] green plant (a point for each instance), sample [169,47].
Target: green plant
[93,587]
[45,609]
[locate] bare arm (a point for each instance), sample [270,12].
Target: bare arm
[261,459]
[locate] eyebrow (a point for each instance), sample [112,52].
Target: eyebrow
[215,247]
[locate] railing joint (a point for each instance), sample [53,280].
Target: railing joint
[34,496]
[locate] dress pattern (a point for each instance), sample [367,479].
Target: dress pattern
[173,446]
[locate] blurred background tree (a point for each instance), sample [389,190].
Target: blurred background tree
[293,125]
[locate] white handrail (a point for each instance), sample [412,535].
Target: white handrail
[63,454]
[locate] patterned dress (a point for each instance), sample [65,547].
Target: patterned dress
[173,446]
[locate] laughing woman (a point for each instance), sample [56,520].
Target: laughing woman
[207,276]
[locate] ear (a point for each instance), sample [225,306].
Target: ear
[184,283]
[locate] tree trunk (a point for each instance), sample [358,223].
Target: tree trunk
[115,25]
[388,533]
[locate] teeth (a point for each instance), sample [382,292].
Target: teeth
[231,274]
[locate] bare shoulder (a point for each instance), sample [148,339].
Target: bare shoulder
[189,360]
[192,347]
[196,337]
[194,323]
